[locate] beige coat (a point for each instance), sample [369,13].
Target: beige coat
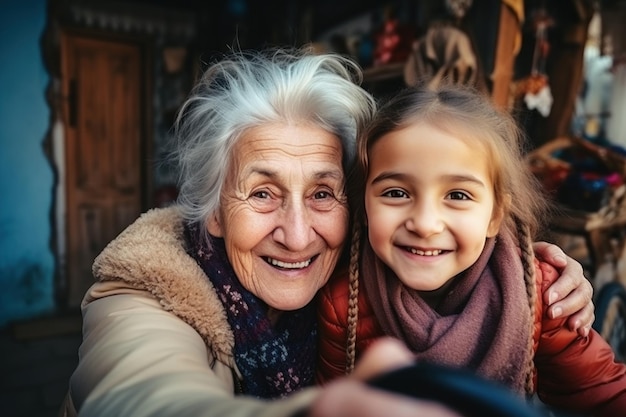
[156,341]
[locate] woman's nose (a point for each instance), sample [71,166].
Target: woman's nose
[295,230]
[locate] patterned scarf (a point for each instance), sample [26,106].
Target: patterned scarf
[483,324]
[274,359]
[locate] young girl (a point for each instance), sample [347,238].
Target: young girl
[446,212]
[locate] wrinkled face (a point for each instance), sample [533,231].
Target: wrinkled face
[429,203]
[283,213]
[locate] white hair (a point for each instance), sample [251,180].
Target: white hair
[248,89]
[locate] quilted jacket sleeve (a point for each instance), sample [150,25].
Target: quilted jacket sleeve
[575,373]
[333,324]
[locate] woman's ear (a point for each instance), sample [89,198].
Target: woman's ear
[214,226]
[498,216]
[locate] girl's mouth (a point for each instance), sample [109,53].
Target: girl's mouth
[433,252]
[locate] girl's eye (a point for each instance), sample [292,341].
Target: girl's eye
[458,195]
[395,193]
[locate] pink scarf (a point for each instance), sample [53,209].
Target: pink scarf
[483,324]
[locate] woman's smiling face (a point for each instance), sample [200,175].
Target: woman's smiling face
[430,204]
[283,213]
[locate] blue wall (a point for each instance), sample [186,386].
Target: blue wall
[26,177]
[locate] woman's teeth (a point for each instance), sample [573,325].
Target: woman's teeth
[289,265]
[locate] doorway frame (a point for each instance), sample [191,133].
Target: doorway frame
[62,20]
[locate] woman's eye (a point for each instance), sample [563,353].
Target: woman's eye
[395,194]
[265,200]
[261,194]
[320,195]
[325,199]
[458,195]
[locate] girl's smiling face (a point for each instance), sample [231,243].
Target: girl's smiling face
[429,203]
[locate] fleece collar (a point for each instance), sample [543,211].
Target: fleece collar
[151,255]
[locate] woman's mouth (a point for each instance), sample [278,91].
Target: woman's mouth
[289,265]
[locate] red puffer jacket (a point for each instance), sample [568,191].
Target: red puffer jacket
[573,373]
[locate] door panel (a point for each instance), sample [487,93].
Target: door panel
[102,80]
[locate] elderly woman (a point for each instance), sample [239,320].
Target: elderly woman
[205,308]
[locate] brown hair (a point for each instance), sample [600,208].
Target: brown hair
[471,116]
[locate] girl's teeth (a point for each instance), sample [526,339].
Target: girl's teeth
[427,252]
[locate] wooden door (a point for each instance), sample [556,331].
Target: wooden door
[101,81]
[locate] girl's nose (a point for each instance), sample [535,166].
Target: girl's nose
[424,219]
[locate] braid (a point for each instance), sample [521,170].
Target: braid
[528,264]
[353,300]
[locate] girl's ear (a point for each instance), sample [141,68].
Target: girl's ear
[214,225]
[498,216]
